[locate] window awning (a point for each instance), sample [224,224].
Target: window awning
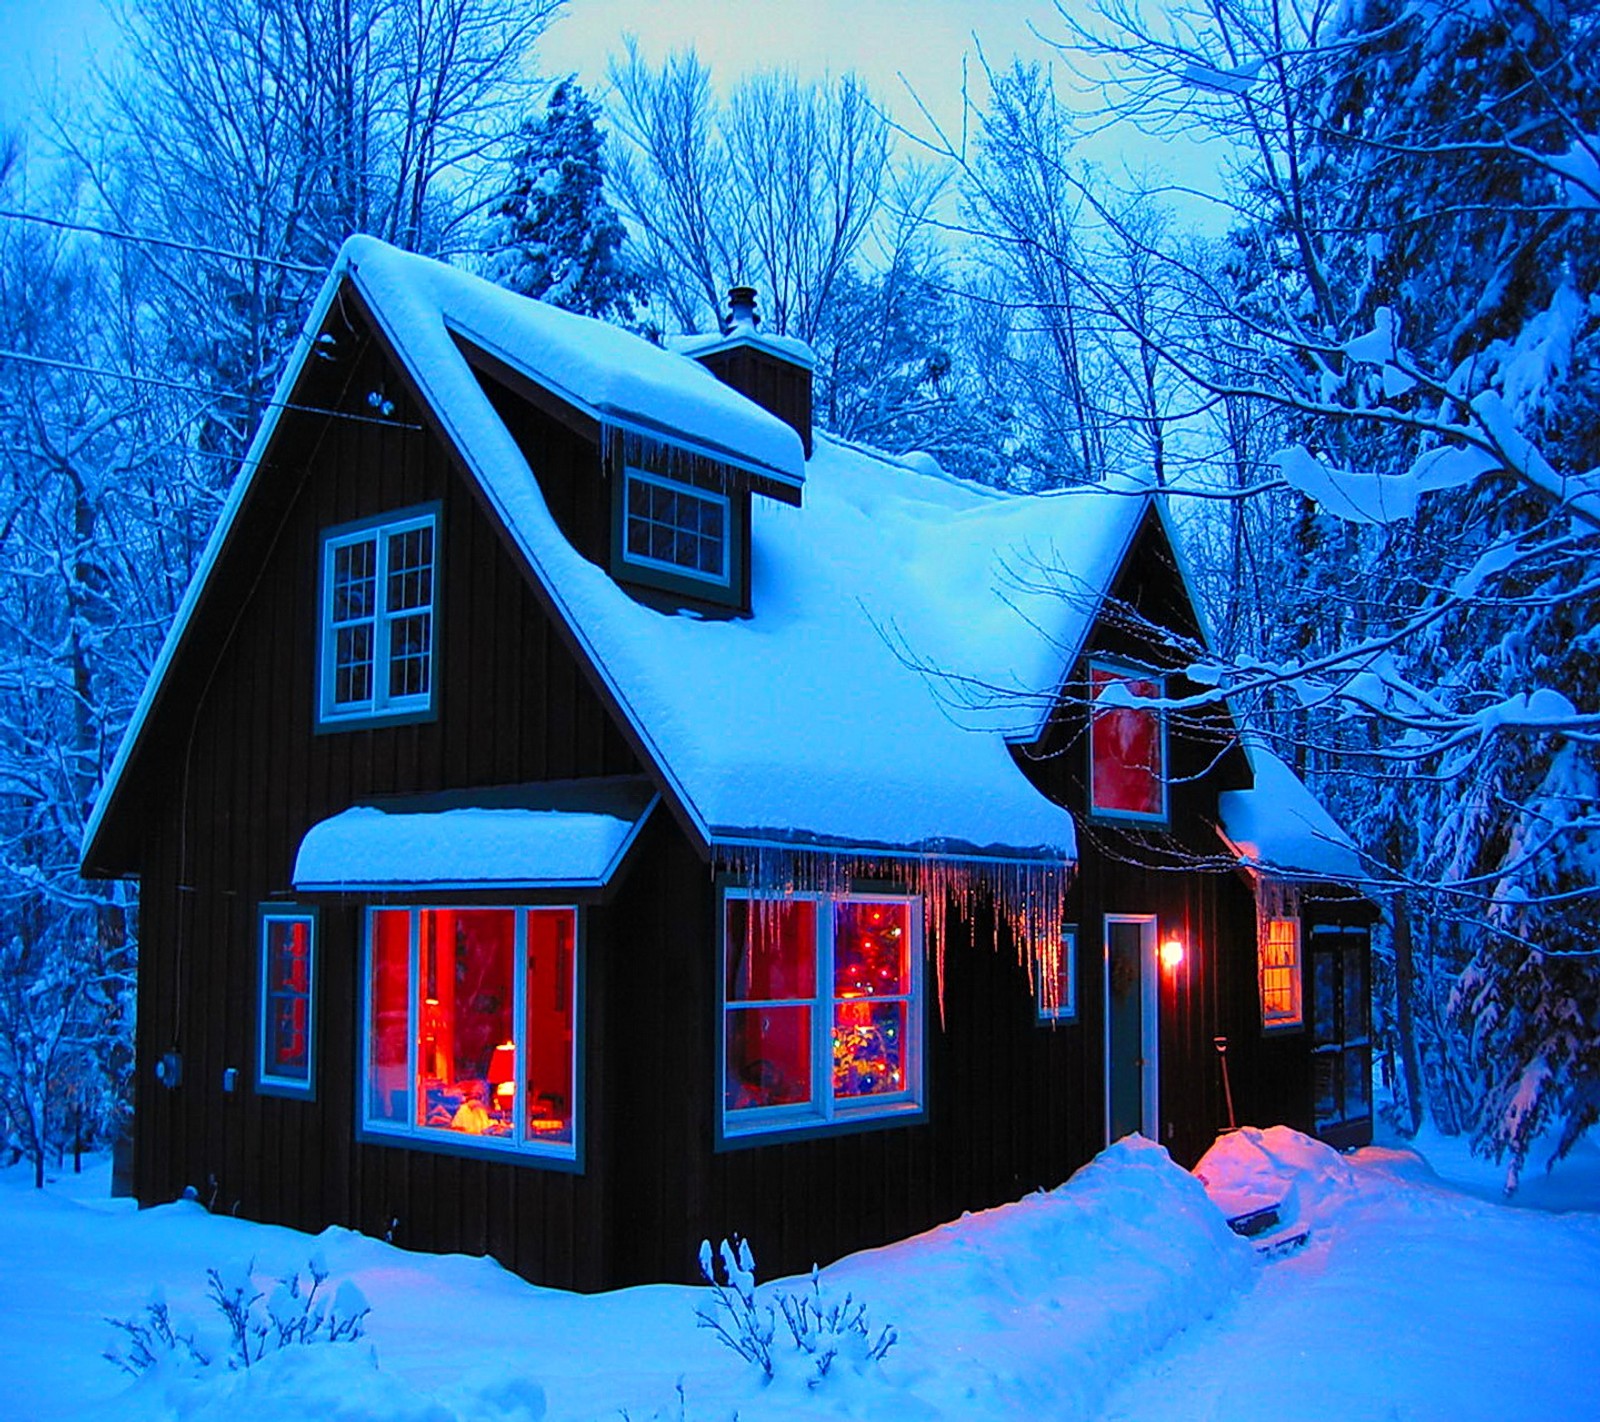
[567,834]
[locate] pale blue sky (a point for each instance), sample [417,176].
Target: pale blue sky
[891,43]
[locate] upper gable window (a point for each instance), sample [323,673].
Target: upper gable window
[1127,744]
[378,591]
[674,528]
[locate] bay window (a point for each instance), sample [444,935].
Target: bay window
[470,1034]
[821,1011]
[1127,744]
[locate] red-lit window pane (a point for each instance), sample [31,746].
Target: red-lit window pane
[389,1000]
[1127,775]
[872,949]
[771,950]
[466,962]
[869,1047]
[768,1057]
[286,998]
[546,1077]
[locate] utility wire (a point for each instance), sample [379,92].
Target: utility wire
[157,380]
[63,225]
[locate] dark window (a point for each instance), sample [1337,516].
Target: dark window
[378,620]
[675,528]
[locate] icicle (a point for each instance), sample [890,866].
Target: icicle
[621,446]
[1028,898]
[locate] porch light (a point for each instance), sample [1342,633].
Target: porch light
[1171,953]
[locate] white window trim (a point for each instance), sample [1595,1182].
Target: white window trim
[1281,1021]
[1130,672]
[632,475]
[823,1113]
[1066,1010]
[267,1081]
[380,704]
[434,1138]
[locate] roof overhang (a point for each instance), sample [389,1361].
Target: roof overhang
[569,835]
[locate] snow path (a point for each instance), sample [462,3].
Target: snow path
[1411,1301]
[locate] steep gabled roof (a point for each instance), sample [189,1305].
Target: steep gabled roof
[833,715]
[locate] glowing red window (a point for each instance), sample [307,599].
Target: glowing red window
[1127,745]
[470,1029]
[821,1010]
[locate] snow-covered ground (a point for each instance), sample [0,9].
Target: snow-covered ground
[1120,1295]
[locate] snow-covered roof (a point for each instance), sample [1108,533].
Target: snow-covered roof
[789,348]
[601,370]
[840,713]
[1280,826]
[568,836]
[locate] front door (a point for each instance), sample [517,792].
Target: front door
[1341,1034]
[1130,1014]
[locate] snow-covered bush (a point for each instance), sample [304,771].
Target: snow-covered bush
[821,1332]
[293,1313]
[155,1341]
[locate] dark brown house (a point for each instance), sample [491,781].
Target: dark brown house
[577,813]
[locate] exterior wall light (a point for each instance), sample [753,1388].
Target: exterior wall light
[1171,953]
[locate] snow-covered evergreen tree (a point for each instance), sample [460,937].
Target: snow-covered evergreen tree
[554,234]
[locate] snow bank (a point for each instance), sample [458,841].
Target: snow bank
[1039,1306]
[1031,1307]
[1251,1169]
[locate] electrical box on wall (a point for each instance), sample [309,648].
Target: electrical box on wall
[169,1070]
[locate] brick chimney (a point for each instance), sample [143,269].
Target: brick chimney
[774,371]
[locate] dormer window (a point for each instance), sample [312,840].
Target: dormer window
[378,589]
[674,528]
[685,538]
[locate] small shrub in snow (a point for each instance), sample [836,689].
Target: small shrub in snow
[734,1316]
[294,1313]
[821,1333]
[840,1330]
[154,1340]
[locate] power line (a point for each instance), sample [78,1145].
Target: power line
[170,242]
[156,380]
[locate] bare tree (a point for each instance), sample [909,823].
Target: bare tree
[780,187]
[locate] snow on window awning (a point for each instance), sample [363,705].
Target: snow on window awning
[1280,827]
[572,835]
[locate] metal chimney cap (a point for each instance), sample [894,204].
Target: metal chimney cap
[742,308]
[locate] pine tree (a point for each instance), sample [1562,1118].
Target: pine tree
[554,235]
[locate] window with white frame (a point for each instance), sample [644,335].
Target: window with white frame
[470,1028]
[378,590]
[1056,991]
[822,1011]
[674,528]
[1127,744]
[1279,947]
[286,1044]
